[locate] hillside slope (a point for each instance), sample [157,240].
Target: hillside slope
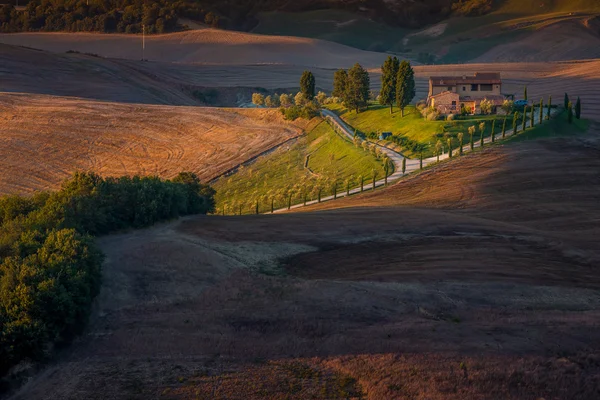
[46,139]
[206,46]
[479,282]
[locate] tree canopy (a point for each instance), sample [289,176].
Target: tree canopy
[50,268]
[340,81]
[307,85]
[357,89]
[389,75]
[405,85]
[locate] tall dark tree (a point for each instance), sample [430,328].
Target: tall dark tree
[525,94]
[340,81]
[357,88]
[567,100]
[541,110]
[389,75]
[405,85]
[549,107]
[578,108]
[307,85]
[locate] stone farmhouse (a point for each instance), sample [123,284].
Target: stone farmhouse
[449,93]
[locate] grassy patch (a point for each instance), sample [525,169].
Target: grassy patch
[414,127]
[558,126]
[315,162]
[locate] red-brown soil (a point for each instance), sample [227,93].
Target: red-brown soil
[477,279]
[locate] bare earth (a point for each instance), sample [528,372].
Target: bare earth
[477,280]
[45,139]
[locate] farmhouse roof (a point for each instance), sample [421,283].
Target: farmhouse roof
[445,94]
[488,77]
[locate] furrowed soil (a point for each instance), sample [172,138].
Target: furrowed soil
[45,139]
[477,279]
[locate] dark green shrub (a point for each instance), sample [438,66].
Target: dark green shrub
[49,265]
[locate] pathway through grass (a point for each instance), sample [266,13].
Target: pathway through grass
[316,162]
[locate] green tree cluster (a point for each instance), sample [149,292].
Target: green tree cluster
[389,75]
[405,85]
[125,16]
[352,86]
[50,269]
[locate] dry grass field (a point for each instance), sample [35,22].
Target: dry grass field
[45,139]
[479,280]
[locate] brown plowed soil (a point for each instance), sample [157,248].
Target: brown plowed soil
[478,279]
[45,139]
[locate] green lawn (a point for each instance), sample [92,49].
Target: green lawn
[414,127]
[558,126]
[277,175]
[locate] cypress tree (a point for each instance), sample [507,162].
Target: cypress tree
[362,183]
[357,88]
[340,81]
[504,127]
[525,94]
[387,168]
[256,207]
[421,160]
[516,123]
[374,178]
[549,107]
[307,85]
[532,122]
[449,148]
[403,165]
[272,205]
[541,110]
[290,201]
[481,131]
[389,75]
[566,100]
[524,119]
[460,143]
[494,130]
[405,85]
[578,109]
[471,133]
[570,112]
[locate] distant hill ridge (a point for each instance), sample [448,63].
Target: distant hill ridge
[128,16]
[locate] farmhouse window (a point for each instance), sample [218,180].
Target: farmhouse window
[449,88]
[486,88]
[464,88]
[474,88]
[454,103]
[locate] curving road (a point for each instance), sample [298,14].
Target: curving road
[395,157]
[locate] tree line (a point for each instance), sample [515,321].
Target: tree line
[50,267]
[124,16]
[127,15]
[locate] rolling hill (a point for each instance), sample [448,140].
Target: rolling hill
[46,139]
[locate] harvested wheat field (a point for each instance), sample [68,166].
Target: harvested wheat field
[477,280]
[45,139]
[205,46]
